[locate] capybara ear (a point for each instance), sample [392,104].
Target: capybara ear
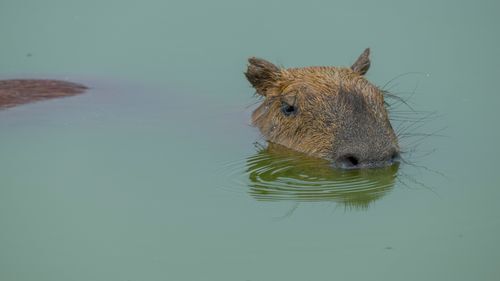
[262,74]
[362,64]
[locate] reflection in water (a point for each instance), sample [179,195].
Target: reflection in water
[277,173]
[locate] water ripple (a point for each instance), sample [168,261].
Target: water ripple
[276,173]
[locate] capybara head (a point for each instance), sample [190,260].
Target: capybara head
[328,112]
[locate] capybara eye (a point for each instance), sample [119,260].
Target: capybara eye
[287,109]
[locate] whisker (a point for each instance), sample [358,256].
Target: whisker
[403,75]
[414,126]
[397,98]
[288,213]
[251,104]
[406,135]
[422,167]
[417,182]
[424,137]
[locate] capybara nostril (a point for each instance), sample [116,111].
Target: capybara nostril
[348,162]
[396,157]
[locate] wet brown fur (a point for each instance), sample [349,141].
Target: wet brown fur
[338,113]
[21,91]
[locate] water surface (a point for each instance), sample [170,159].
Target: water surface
[155,173]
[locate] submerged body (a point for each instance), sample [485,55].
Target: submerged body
[21,91]
[332,113]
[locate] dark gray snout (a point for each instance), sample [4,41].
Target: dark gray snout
[364,138]
[357,160]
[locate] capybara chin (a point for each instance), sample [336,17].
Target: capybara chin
[328,112]
[20,91]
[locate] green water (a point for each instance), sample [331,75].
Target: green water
[154,174]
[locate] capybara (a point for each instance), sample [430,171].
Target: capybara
[20,91]
[328,112]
